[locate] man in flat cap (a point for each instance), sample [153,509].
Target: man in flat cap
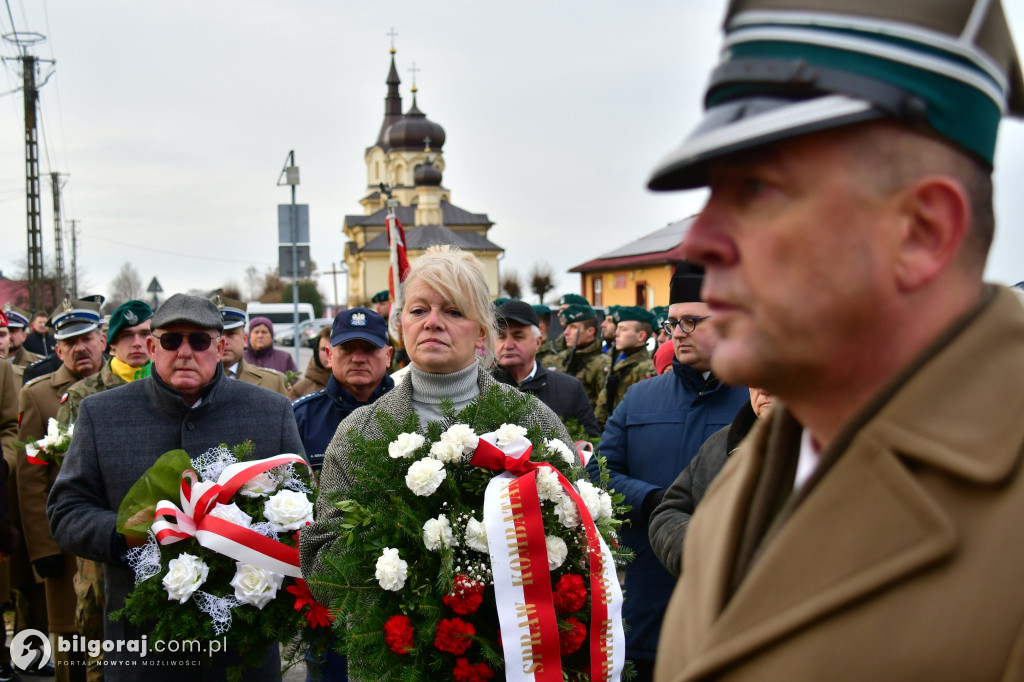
[583,357]
[652,435]
[185,403]
[233,312]
[19,356]
[870,527]
[632,362]
[519,338]
[80,346]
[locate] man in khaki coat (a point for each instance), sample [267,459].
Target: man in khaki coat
[870,528]
[80,347]
[235,367]
[20,357]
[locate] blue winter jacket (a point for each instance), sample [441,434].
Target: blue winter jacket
[651,436]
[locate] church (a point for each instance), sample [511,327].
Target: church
[408,157]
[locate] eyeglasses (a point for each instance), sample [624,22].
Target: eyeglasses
[197,341]
[687,323]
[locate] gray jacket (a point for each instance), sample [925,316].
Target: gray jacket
[119,434]
[319,537]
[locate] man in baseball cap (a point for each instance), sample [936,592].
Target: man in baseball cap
[848,148]
[359,357]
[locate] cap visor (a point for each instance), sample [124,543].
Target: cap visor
[749,122]
[349,336]
[76,329]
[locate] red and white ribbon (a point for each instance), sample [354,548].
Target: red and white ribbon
[522,581]
[32,455]
[198,498]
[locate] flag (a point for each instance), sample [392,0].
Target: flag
[399,262]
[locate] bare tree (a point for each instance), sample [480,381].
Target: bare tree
[510,284]
[231,290]
[542,280]
[253,283]
[126,285]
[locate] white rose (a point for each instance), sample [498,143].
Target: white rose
[445,451]
[259,486]
[184,576]
[288,510]
[462,438]
[565,510]
[405,445]
[557,551]
[476,536]
[254,585]
[592,498]
[548,486]
[391,570]
[424,476]
[231,512]
[437,533]
[562,449]
[507,433]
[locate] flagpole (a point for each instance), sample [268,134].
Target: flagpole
[396,284]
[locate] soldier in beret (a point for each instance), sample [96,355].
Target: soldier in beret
[20,357]
[80,346]
[233,313]
[870,527]
[583,357]
[633,326]
[547,356]
[608,325]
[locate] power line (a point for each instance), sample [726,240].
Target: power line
[172,253]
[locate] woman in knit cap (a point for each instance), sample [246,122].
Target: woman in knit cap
[261,351]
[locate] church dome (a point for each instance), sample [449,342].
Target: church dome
[413,130]
[427,174]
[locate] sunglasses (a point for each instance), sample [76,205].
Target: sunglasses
[197,341]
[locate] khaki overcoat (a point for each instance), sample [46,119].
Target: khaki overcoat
[903,561]
[261,376]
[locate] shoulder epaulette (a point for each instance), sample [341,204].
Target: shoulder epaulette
[308,396]
[36,380]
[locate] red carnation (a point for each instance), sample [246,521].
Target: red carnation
[570,638]
[464,672]
[570,594]
[317,616]
[466,596]
[398,634]
[454,636]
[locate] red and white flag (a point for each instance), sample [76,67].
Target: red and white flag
[397,272]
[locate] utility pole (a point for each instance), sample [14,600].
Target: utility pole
[290,175]
[74,259]
[30,90]
[58,236]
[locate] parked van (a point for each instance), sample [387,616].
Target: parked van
[281,314]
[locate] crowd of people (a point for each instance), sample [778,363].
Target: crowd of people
[831,383]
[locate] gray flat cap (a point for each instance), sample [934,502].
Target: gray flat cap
[184,309]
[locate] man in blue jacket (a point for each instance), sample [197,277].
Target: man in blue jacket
[359,356]
[651,436]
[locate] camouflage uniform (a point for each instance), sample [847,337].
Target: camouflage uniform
[589,365]
[626,372]
[547,356]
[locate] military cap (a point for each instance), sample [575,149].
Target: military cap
[501,300]
[16,318]
[791,67]
[381,297]
[686,283]
[231,311]
[185,309]
[576,313]
[633,313]
[74,318]
[517,311]
[572,299]
[128,314]
[611,310]
[660,315]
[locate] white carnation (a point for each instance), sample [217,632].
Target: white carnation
[231,512]
[476,536]
[255,585]
[437,533]
[71,430]
[462,438]
[259,486]
[605,506]
[445,451]
[557,551]
[53,435]
[599,509]
[507,433]
[405,445]
[184,576]
[562,449]
[548,486]
[565,510]
[391,570]
[288,510]
[424,476]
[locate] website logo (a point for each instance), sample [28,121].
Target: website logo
[30,650]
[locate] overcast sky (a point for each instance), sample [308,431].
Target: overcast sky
[174,120]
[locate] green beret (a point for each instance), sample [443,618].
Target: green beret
[573,299]
[541,310]
[577,313]
[381,297]
[633,313]
[660,314]
[126,315]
